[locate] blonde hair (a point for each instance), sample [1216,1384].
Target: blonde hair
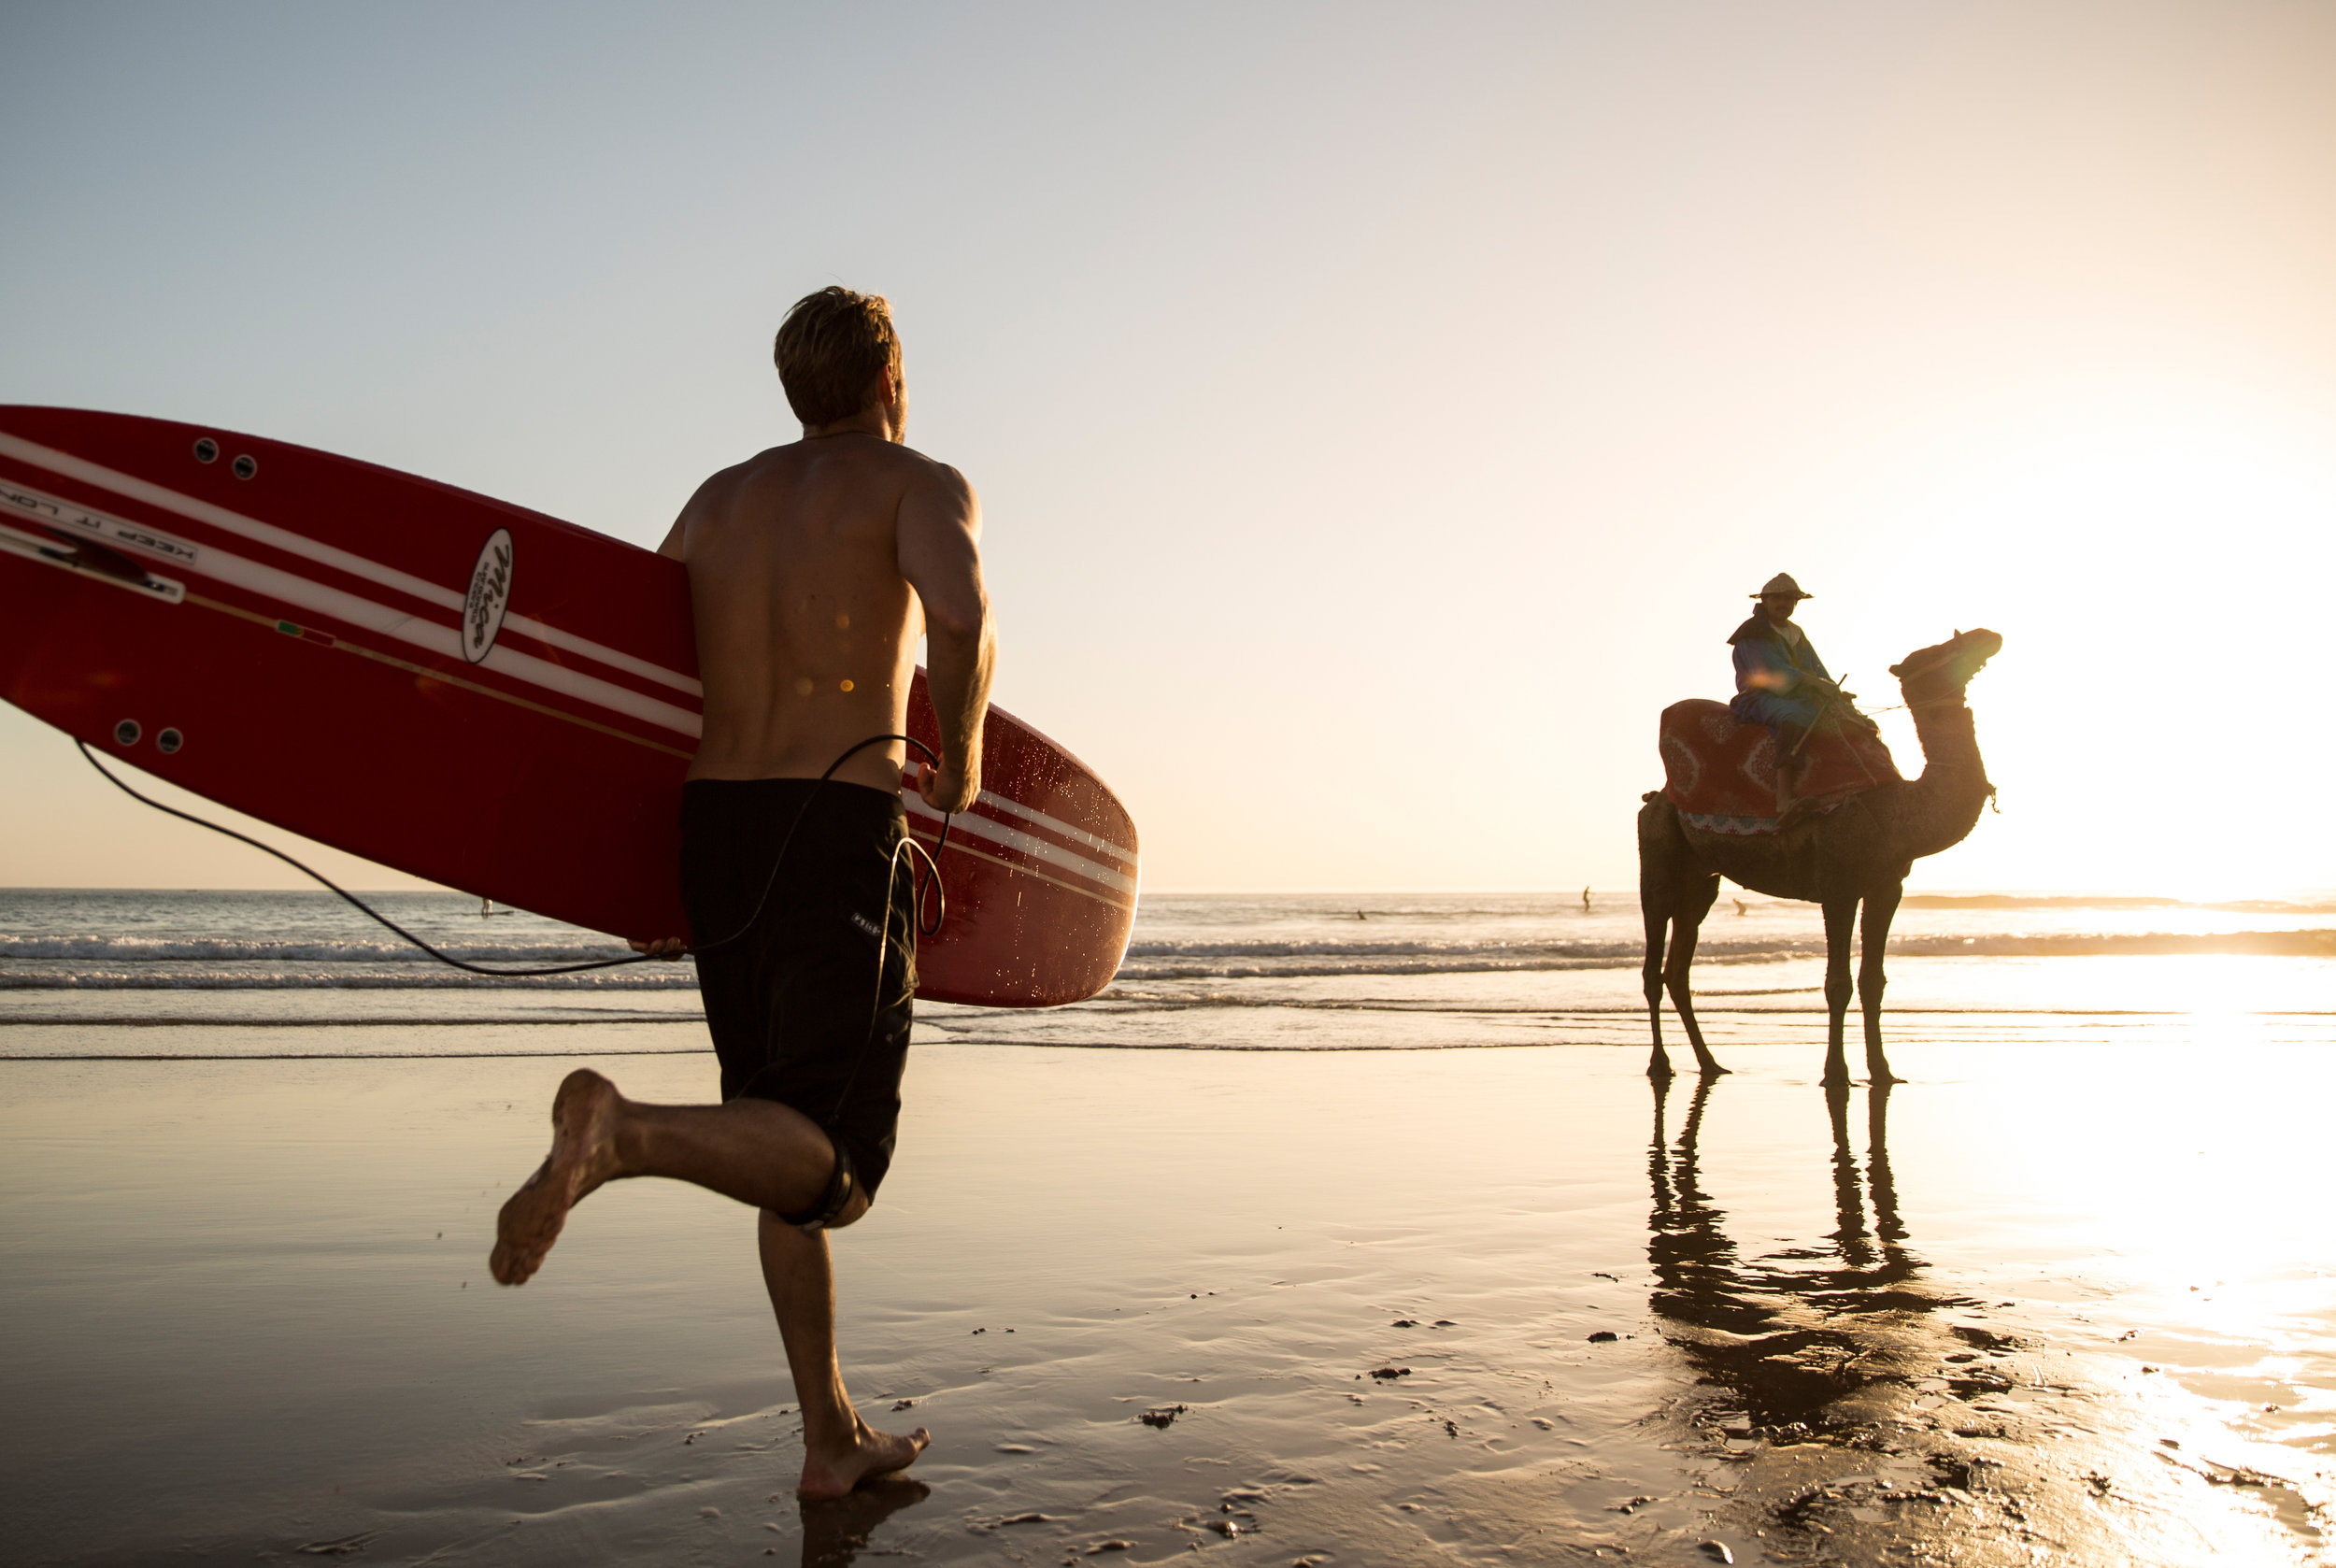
[831,346]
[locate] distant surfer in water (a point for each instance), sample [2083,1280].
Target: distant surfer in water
[812,569]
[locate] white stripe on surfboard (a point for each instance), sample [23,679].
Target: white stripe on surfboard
[1052,824]
[1015,838]
[326,555]
[1019,868]
[445,641]
[281,588]
[527,625]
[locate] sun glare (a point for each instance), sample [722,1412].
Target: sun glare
[2156,564]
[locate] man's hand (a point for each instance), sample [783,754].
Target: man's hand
[665,946]
[946,789]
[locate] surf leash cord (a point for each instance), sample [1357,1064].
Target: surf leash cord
[352,899]
[930,859]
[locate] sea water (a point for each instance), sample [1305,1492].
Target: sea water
[1202,971]
[288,957]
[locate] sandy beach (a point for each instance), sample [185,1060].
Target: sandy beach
[2057,1297]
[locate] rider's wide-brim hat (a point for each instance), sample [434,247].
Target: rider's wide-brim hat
[1782,583]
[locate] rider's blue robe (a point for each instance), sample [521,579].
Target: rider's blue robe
[1771,674]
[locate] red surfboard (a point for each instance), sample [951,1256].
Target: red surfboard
[463,689]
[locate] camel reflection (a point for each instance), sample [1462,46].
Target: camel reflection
[1823,1335]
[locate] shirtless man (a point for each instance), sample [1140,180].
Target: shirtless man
[813,568]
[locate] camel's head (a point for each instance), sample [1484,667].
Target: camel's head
[1932,673]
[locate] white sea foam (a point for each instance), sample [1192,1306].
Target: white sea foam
[291,943]
[261,979]
[141,949]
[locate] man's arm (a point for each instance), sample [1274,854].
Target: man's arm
[938,537]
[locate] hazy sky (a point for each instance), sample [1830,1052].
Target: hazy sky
[1381,413]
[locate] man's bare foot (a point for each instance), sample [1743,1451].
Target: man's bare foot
[832,1470]
[583,1155]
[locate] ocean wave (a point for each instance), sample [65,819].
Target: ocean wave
[2317,943]
[2096,901]
[420,980]
[1316,960]
[1266,966]
[141,949]
[1370,950]
[79,964]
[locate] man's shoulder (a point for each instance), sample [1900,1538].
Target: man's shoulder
[868,477]
[1754,628]
[903,465]
[745,469]
[918,468]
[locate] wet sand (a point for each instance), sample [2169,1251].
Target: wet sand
[2066,1300]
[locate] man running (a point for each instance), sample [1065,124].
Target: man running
[813,568]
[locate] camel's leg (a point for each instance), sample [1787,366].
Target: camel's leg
[1656,912]
[1687,923]
[1663,864]
[1874,941]
[1841,923]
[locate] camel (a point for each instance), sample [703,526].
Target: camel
[1858,853]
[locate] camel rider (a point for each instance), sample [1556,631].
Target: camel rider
[1780,680]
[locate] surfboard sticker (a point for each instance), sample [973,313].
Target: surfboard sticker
[67,520]
[490,596]
[52,547]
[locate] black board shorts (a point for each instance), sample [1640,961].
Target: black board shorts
[798,1009]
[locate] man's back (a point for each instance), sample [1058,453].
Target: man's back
[814,567]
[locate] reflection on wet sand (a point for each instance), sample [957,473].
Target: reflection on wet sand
[1806,1337]
[1827,1376]
[1857,1404]
[1240,1233]
[836,1530]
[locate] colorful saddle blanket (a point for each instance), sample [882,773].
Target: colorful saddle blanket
[1722,774]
